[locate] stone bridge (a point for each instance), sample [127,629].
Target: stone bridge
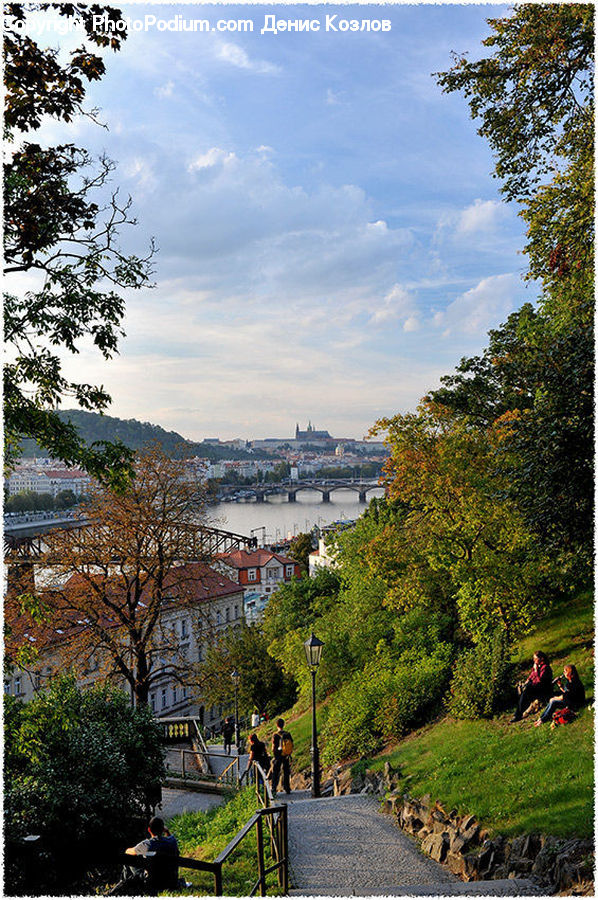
[291,489]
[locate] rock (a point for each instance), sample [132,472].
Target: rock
[423,832]
[436,846]
[470,835]
[412,824]
[467,823]
[426,801]
[520,866]
[458,844]
[456,863]
[472,867]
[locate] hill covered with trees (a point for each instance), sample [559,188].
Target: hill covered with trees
[93,427]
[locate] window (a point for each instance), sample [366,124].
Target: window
[200,653]
[153,702]
[184,629]
[163,698]
[218,618]
[251,575]
[185,692]
[290,571]
[236,610]
[227,614]
[7,687]
[174,694]
[17,685]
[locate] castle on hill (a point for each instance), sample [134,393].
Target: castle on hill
[311,434]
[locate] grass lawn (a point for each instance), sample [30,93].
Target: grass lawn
[516,778]
[204,835]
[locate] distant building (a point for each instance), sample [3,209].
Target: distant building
[259,573]
[310,435]
[46,480]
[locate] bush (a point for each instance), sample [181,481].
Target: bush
[81,769]
[482,679]
[384,701]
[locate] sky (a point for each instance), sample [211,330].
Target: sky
[331,239]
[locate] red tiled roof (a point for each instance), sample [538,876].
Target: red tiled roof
[243,559]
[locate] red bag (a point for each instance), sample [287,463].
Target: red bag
[563,716]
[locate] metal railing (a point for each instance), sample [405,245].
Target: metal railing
[200,762]
[276,819]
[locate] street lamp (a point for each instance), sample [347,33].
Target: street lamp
[313,652]
[236,679]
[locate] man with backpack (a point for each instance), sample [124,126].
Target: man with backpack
[282,748]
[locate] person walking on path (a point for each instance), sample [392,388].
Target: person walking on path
[258,754]
[282,747]
[573,695]
[537,687]
[228,731]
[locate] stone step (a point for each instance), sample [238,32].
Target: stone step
[504,887]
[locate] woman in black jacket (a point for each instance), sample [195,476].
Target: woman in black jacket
[573,695]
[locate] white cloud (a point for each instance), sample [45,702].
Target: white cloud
[481,215]
[211,158]
[398,304]
[165,90]
[482,307]
[237,56]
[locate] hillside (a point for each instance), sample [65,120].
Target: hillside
[514,778]
[136,435]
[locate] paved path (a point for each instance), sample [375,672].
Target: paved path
[175,802]
[343,846]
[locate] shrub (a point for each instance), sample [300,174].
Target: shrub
[384,701]
[482,678]
[81,769]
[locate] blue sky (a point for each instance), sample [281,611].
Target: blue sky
[331,239]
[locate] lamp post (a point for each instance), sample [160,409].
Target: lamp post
[313,652]
[236,679]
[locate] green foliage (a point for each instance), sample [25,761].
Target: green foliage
[534,92]
[301,547]
[80,768]
[263,682]
[56,227]
[384,700]
[482,681]
[534,96]
[26,501]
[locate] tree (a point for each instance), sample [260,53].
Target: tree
[112,588]
[56,229]
[462,534]
[534,96]
[263,684]
[81,768]
[301,547]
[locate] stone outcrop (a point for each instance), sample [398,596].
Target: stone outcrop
[558,865]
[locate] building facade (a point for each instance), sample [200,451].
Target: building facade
[259,573]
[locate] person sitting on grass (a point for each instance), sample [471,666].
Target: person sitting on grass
[537,687]
[573,695]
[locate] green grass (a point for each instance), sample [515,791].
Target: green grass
[515,778]
[203,835]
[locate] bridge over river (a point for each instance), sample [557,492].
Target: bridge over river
[260,492]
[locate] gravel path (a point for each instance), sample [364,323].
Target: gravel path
[344,846]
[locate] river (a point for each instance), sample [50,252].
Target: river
[277,519]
